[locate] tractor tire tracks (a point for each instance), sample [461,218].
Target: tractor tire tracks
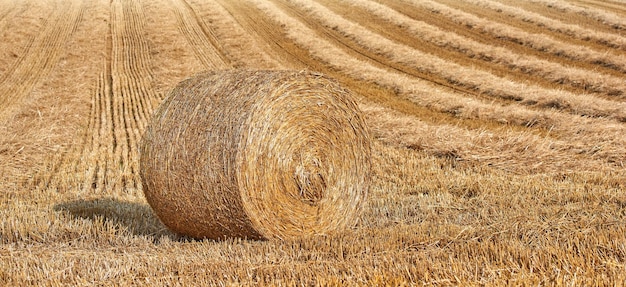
[200,37]
[41,55]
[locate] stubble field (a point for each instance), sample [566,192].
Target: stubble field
[498,157]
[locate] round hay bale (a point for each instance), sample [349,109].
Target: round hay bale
[256,154]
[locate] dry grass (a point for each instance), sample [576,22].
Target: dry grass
[605,17]
[467,188]
[256,154]
[476,79]
[536,40]
[570,31]
[496,55]
[436,98]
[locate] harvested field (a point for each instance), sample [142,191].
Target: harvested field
[498,156]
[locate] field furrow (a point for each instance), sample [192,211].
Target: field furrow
[121,104]
[96,151]
[14,56]
[86,162]
[200,37]
[78,165]
[41,56]
[268,38]
[121,51]
[240,48]
[19,32]
[132,96]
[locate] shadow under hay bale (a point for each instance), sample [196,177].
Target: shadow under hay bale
[137,218]
[258,155]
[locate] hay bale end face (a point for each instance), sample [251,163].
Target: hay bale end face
[256,154]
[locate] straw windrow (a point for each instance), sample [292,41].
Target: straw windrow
[256,154]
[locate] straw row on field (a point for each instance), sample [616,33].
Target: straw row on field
[507,58]
[396,128]
[537,41]
[418,90]
[569,30]
[484,82]
[429,95]
[603,16]
[435,98]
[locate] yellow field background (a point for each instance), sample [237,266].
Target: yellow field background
[499,133]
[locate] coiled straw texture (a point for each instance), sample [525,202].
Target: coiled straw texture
[256,154]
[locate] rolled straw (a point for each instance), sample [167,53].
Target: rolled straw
[256,154]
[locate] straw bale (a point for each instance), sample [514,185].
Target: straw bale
[256,154]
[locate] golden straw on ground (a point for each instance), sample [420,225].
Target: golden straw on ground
[256,154]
